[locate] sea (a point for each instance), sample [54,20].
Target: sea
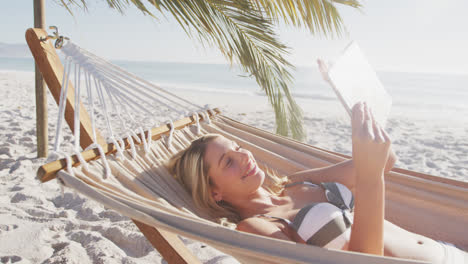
[433,97]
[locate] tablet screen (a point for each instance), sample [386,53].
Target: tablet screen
[354,80]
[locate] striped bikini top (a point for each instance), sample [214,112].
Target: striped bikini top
[325,224]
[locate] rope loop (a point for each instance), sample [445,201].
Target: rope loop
[171,132]
[53,156]
[145,144]
[122,145]
[69,165]
[136,137]
[149,137]
[197,121]
[107,171]
[118,146]
[132,145]
[211,112]
[82,160]
[207,117]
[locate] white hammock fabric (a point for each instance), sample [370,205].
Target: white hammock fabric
[139,186]
[145,191]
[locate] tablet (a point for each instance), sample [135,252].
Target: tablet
[354,80]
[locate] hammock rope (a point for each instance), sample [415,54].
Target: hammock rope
[61,110]
[129,97]
[120,78]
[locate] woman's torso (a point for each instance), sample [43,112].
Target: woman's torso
[397,241]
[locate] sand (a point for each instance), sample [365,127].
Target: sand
[40,225]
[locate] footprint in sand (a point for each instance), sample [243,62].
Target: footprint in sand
[16,188]
[112,216]
[43,214]
[134,244]
[21,163]
[27,142]
[15,167]
[5,162]
[26,139]
[6,228]
[59,246]
[5,151]
[432,165]
[68,201]
[10,259]
[21,197]
[68,252]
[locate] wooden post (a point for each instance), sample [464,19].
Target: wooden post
[41,92]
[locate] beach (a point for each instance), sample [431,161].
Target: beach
[40,224]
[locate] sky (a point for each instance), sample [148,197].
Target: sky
[397,35]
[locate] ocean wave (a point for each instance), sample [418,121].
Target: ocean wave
[194,88]
[253,91]
[310,96]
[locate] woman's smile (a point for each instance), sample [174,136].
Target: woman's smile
[251,169]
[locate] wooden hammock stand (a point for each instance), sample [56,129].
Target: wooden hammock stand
[168,244]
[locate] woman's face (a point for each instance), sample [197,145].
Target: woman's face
[232,170]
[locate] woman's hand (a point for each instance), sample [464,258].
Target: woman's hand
[323,70]
[371,144]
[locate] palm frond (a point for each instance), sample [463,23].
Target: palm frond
[243,30]
[319,16]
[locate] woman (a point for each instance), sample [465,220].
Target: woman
[315,206]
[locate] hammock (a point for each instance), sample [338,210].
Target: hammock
[138,186]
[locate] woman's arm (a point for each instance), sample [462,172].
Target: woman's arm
[343,172]
[371,147]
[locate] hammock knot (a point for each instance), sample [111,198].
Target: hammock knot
[53,156]
[82,160]
[149,138]
[206,117]
[145,144]
[118,147]
[69,165]
[207,109]
[136,137]
[132,144]
[105,163]
[171,132]
[197,121]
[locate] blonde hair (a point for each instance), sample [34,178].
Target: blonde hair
[189,168]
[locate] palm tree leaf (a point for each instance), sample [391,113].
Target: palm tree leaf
[319,16]
[243,30]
